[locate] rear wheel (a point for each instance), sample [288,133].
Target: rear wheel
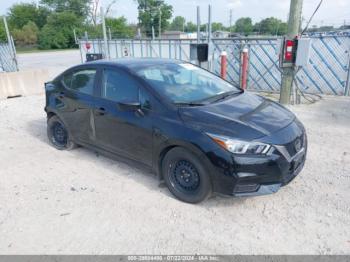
[185,176]
[58,134]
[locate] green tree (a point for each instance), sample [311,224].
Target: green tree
[282,29]
[81,8]
[28,35]
[58,32]
[2,31]
[270,26]
[217,27]
[120,28]
[93,31]
[178,24]
[244,25]
[231,29]
[149,13]
[191,27]
[21,14]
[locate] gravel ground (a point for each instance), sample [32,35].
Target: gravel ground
[54,61]
[76,202]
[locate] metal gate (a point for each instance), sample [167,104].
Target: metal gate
[8,62]
[328,72]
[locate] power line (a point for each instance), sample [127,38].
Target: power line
[312,16]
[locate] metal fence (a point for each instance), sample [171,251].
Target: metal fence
[8,61]
[327,73]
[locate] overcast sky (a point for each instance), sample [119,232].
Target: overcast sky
[333,12]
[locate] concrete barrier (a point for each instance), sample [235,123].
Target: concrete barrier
[23,83]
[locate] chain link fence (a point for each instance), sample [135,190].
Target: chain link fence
[8,61]
[327,72]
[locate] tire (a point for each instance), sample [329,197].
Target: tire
[185,176]
[58,134]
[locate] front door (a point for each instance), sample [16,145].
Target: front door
[128,133]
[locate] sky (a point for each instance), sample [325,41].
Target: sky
[332,12]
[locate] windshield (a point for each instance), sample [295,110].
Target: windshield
[185,83]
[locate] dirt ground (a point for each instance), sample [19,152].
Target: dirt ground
[76,202]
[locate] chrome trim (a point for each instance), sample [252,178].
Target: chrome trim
[245,174]
[285,153]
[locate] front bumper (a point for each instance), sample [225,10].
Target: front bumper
[296,164]
[261,175]
[281,173]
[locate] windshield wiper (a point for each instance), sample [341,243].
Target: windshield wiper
[228,94]
[222,96]
[188,104]
[211,99]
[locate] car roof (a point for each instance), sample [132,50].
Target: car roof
[134,62]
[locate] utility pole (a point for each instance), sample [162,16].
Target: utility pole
[209,37]
[10,42]
[198,24]
[109,33]
[153,34]
[209,24]
[7,32]
[75,36]
[104,33]
[160,23]
[288,73]
[231,11]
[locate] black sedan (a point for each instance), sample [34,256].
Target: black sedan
[196,131]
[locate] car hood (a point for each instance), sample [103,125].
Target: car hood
[245,116]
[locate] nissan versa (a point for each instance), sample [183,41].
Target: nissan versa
[196,131]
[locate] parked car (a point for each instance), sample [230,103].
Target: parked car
[196,131]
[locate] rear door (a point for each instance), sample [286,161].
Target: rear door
[77,100]
[128,133]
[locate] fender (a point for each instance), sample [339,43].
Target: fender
[52,111]
[161,149]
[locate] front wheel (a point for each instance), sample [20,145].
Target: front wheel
[185,176]
[58,134]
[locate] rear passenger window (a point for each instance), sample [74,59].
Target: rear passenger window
[81,81]
[67,80]
[118,86]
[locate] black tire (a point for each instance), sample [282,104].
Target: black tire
[185,176]
[58,134]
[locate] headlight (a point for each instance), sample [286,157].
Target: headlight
[240,147]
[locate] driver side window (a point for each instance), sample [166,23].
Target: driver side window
[118,86]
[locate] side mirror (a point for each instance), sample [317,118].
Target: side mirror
[129,106]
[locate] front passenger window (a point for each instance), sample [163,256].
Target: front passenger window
[118,86]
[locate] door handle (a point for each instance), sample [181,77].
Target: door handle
[61,95]
[100,111]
